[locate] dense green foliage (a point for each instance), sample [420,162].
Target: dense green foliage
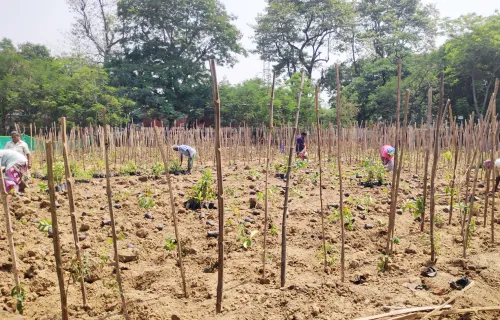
[148,59]
[37,88]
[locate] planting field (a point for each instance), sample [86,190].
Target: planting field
[151,276]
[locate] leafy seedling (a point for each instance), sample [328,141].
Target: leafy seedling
[44,225]
[170,244]
[383,262]
[20,294]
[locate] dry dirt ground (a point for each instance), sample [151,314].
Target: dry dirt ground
[152,280]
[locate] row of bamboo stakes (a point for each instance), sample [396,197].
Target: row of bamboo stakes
[470,142]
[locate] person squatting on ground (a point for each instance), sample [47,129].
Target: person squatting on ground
[189,152]
[300,147]
[487,165]
[387,156]
[15,165]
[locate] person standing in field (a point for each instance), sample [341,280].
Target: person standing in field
[387,156]
[496,172]
[15,166]
[189,152]
[20,146]
[300,146]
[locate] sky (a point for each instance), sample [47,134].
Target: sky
[48,21]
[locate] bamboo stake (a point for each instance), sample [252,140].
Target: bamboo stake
[397,158]
[455,144]
[220,189]
[493,152]
[112,216]
[434,169]
[339,164]
[427,155]
[320,178]
[287,187]
[159,144]
[448,312]
[10,233]
[401,312]
[266,188]
[69,187]
[55,228]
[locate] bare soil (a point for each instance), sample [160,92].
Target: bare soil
[152,281]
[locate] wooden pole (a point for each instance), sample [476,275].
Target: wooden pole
[392,214]
[493,153]
[339,164]
[112,216]
[220,189]
[427,155]
[316,100]
[287,186]
[434,169]
[69,187]
[10,233]
[266,188]
[455,144]
[55,229]
[159,144]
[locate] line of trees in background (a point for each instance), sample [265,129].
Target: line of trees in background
[147,59]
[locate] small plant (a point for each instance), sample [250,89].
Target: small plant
[20,294]
[448,156]
[146,202]
[439,221]
[260,195]
[58,171]
[348,219]
[121,236]
[204,190]
[79,269]
[128,168]
[314,178]
[42,187]
[246,240]
[229,223]
[158,170]
[273,230]
[170,244]
[374,171]
[104,260]
[383,262]
[174,166]
[395,240]
[300,164]
[472,228]
[254,173]
[231,192]
[44,225]
[330,254]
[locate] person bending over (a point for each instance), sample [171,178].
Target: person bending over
[189,152]
[387,156]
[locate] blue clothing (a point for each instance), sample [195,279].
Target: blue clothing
[186,150]
[301,144]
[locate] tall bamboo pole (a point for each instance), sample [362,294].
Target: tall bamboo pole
[316,100]
[427,155]
[10,233]
[69,187]
[434,168]
[112,216]
[159,144]
[220,189]
[266,188]
[339,164]
[455,144]
[55,228]
[287,187]
[392,214]
[493,153]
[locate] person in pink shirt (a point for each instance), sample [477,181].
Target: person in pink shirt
[387,156]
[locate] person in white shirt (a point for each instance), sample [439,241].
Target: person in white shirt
[187,151]
[19,145]
[15,166]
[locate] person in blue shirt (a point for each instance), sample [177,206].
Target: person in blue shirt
[300,146]
[189,152]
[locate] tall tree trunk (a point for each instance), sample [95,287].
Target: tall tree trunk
[474,96]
